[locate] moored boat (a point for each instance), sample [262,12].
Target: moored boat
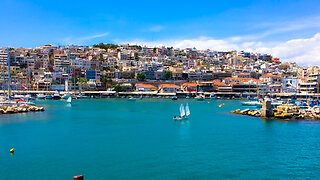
[174,98]
[132,99]
[41,96]
[81,96]
[56,96]
[49,96]
[251,103]
[212,96]
[200,98]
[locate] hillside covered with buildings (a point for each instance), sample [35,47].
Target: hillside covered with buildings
[109,67]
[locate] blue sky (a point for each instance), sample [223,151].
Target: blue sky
[219,25]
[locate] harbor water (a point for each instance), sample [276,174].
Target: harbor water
[121,139]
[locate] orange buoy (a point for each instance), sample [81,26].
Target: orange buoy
[78,177]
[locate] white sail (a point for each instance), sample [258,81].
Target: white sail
[69,100]
[182,112]
[187,110]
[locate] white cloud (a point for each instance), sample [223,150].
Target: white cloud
[279,27]
[94,36]
[200,43]
[84,39]
[302,51]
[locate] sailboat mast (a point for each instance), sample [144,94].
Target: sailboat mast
[9,74]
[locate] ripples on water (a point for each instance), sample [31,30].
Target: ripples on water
[118,139]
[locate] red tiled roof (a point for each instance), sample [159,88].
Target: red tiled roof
[146,86]
[270,75]
[169,86]
[217,83]
[60,55]
[189,84]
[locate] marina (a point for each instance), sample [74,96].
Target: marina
[100,138]
[163,90]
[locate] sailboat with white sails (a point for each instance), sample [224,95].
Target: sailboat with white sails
[184,113]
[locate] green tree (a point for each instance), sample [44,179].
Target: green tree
[106,80]
[83,80]
[74,80]
[106,46]
[168,75]
[119,88]
[23,66]
[141,76]
[51,58]
[101,57]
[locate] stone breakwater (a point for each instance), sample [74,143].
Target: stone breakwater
[10,109]
[286,111]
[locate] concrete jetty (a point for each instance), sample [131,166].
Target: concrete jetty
[285,111]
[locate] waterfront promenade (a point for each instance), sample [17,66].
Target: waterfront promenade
[302,95]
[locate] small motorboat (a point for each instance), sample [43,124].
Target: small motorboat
[174,98]
[41,96]
[49,96]
[132,99]
[56,96]
[251,103]
[200,98]
[212,96]
[81,96]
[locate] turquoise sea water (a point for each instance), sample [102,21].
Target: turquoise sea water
[120,139]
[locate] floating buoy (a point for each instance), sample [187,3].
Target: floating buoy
[222,103]
[78,177]
[12,150]
[208,102]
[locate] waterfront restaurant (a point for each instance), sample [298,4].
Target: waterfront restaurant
[168,88]
[145,87]
[189,87]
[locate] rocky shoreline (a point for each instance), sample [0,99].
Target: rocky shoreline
[286,111]
[23,108]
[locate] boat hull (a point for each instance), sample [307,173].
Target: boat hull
[56,97]
[180,119]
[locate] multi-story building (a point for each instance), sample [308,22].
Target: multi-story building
[61,61]
[311,84]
